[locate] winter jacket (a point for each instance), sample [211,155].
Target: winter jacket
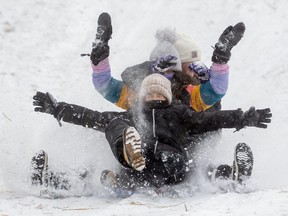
[123,93]
[164,133]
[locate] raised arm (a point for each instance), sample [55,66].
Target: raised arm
[110,88]
[215,80]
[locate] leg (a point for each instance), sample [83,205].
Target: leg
[125,143]
[240,170]
[41,175]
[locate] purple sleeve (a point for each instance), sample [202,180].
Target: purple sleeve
[219,77]
[101,75]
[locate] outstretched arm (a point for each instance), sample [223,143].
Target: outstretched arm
[200,122]
[73,113]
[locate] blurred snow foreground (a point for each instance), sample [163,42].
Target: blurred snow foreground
[41,42]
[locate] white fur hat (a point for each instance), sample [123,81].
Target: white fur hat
[165,47]
[156,83]
[187,49]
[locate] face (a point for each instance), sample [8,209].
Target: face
[187,70]
[154,97]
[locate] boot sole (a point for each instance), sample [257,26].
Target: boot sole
[243,162]
[133,151]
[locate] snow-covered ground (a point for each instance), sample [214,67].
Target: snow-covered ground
[40,46]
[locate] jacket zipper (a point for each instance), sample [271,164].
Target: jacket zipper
[154,133]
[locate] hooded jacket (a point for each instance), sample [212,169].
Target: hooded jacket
[164,132]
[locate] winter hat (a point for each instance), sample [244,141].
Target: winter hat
[165,48]
[156,83]
[187,49]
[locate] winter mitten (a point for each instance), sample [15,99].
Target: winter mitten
[99,53]
[201,70]
[163,64]
[228,39]
[256,118]
[104,30]
[44,103]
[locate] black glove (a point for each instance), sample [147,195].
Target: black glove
[256,118]
[44,103]
[99,53]
[229,38]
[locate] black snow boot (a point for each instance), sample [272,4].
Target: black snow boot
[228,39]
[243,162]
[100,48]
[241,168]
[221,172]
[41,175]
[39,168]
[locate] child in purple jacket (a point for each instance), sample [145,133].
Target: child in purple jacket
[164,59]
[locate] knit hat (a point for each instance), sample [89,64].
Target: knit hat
[164,48]
[187,49]
[156,83]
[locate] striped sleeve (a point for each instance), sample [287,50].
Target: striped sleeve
[110,88]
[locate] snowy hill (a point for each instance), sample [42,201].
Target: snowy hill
[40,46]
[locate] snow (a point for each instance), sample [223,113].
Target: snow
[41,43]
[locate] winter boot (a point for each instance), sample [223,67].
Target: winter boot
[132,149]
[221,172]
[41,175]
[241,168]
[100,48]
[243,162]
[228,39]
[39,168]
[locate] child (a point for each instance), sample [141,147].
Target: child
[149,140]
[173,54]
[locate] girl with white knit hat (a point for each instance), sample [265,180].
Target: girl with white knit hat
[173,54]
